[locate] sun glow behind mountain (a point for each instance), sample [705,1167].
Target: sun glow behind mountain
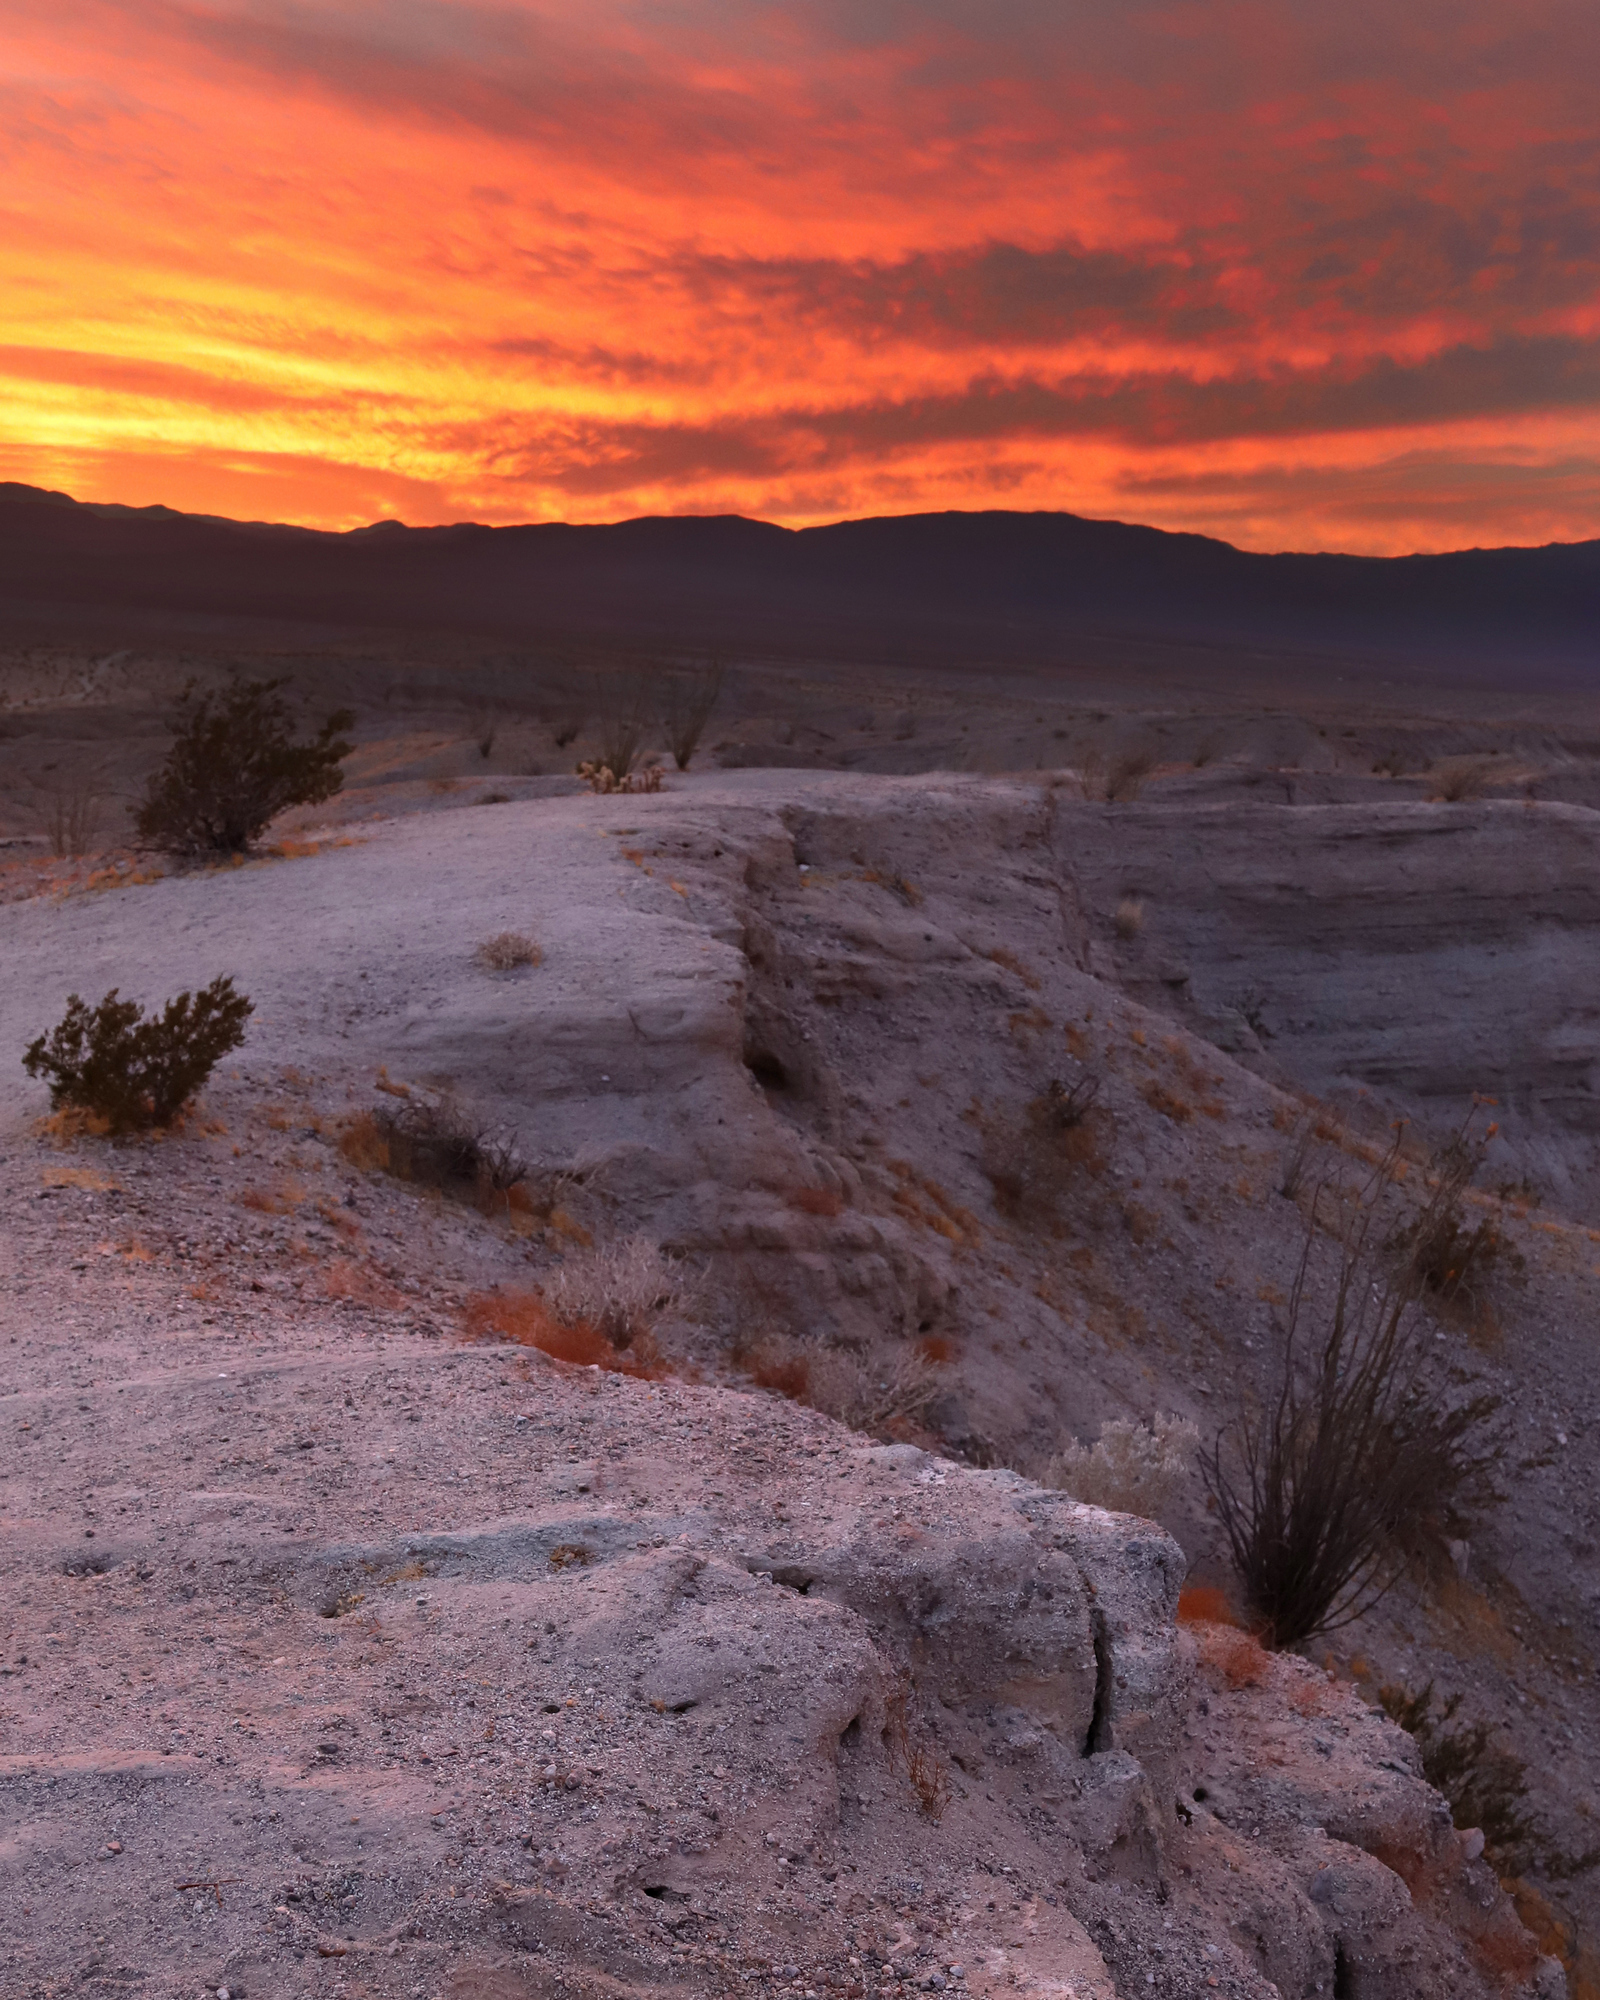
[1294,275]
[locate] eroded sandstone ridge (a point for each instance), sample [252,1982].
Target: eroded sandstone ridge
[390,1667]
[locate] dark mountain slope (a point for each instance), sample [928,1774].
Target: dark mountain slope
[937,586]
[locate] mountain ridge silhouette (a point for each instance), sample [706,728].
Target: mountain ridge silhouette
[948,587]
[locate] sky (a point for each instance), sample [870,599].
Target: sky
[1299,275]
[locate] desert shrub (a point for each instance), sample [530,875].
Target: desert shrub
[624,720]
[1448,1258]
[1065,1106]
[436,1143]
[72,820]
[507,950]
[1032,1169]
[1456,779]
[1297,1155]
[925,1773]
[1321,1487]
[567,727]
[623,1290]
[689,704]
[483,729]
[1126,773]
[233,766]
[1130,917]
[874,1389]
[1134,1468]
[1485,1784]
[132,1071]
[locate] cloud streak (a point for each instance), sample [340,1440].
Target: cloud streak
[339,258]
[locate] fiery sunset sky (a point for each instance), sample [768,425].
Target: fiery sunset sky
[1298,274]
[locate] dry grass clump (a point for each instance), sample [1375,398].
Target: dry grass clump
[1134,1468]
[507,950]
[880,1389]
[1204,1604]
[599,1309]
[624,1289]
[821,1201]
[526,1319]
[1456,779]
[927,1776]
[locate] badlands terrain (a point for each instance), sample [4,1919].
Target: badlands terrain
[354,1644]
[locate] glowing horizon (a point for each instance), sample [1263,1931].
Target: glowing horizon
[1249,270]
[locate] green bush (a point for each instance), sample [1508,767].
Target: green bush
[234,766]
[135,1072]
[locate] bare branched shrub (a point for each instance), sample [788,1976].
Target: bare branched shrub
[624,720]
[1297,1155]
[1456,779]
[1065,1106]
[690,699]
[925,1773]
[1485,1784]
[72,821]
[507,950]
[1032,1168]
[437,1143]
[233,766]
[622,1289]
[1134,1468]
[1452,1260]
[1319,1488]
[132,1072]
[1130,917]
[871,1390]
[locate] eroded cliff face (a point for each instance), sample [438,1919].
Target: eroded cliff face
[1424,951]
[430,1668]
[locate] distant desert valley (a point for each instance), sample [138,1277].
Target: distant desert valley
[676,1416]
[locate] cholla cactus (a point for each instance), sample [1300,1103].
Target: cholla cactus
[1134,1469]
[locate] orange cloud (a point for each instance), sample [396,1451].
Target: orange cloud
[1299,275]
